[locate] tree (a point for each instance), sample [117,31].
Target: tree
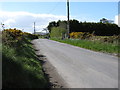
[100,29]
[51,24]
[58,32]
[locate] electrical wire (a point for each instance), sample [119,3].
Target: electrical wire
[53,9]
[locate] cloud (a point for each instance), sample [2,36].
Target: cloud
[25,20]
[117,20]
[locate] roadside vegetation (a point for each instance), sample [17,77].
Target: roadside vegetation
[21,67]
[103,37]
[92,45]
[99,28]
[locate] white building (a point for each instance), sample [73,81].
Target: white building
[103,20]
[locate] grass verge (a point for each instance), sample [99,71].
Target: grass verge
[92,45]
[21,67]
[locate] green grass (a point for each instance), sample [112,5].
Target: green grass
[21,67]
[96,46]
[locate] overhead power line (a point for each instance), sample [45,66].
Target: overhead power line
[53,9]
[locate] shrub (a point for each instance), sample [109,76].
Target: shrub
[58,32]
[80,35]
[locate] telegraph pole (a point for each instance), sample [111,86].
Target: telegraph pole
[68,17]
[34,27]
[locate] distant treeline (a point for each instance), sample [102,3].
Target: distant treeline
[99,29]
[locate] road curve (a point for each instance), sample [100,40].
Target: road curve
[80,68]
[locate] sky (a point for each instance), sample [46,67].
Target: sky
[22,15]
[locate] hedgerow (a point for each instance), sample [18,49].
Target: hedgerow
[20,66]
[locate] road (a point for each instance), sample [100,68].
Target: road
[80,68]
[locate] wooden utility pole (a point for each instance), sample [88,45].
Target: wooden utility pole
[34,27]
[68,16]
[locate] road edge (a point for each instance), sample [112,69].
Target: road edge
[55,80]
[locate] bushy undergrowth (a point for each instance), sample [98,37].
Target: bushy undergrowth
[106,39]
[21,67]
[81,35]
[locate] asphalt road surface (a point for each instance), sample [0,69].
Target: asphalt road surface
[80,68]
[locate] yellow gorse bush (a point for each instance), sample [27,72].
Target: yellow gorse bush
[80,35]
[10,36]
[14,32]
